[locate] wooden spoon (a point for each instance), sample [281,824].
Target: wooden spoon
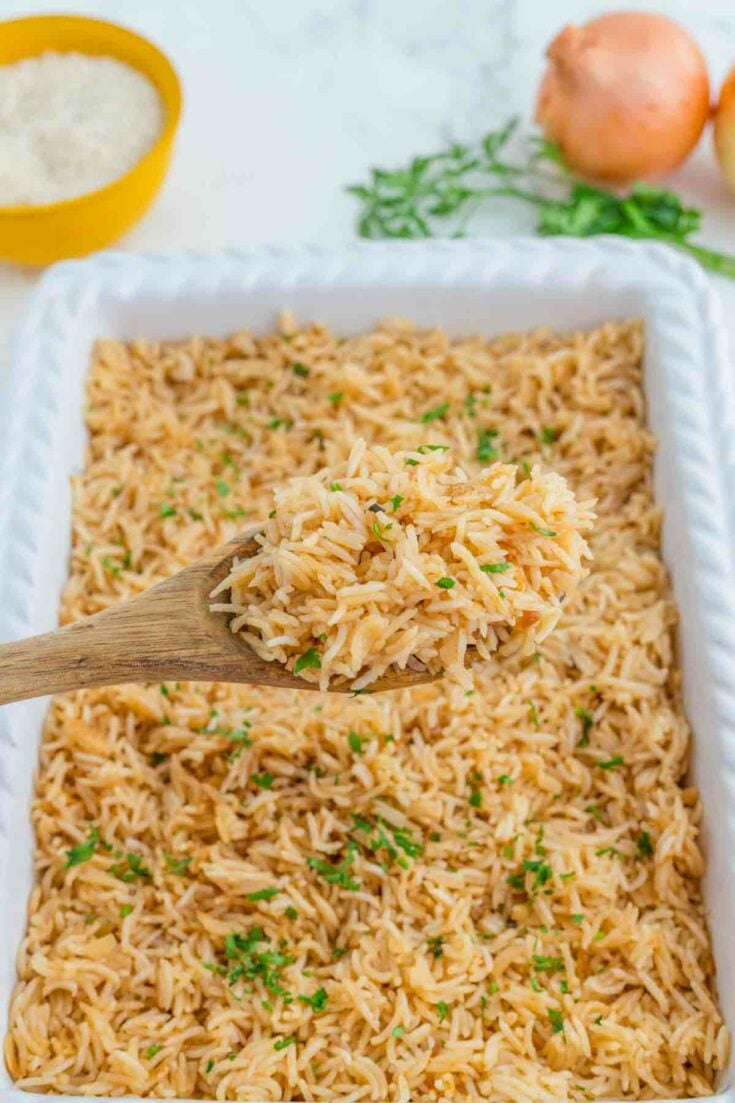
[166,633]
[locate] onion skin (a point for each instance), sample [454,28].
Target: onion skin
[725,130]
[626,96]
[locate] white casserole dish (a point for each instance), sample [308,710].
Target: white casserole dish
[484,287]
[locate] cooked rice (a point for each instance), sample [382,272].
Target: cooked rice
[396,559]
[589,974]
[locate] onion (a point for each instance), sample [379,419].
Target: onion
[625,96]
[725,130]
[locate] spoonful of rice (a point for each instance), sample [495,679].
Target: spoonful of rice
[385,571]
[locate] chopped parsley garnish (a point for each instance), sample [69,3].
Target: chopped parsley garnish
[209,1065]
[423,448]
[300,369]
[110,566]
[222,488]
[411,462]
[469,402]
[166,510]
[533,714]
[612,763]
[152,1051]
[557,1020]
[543,964]
[263,780]
[379,531]
[318,1001]
[310,660]
[435,414]
[446,583]
[436,946]
[195,515]
[158,757]
[505,779]
[337,874]
[178,866]
[544,532]
[476,798]
[82,852]
[495,568]
[578,918]
[486,450]
[395,502]
[398,1031]
[284,1043]
[338,952]
[125,910]
[291,912]
[443,1010]
[336,397]
[335,486]
[262,894]
[586,717]
[643,845]
[245,962]
[130,869]
[355,742]
[548,434]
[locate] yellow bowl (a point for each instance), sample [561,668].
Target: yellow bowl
[45,233]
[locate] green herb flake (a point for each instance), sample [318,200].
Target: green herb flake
[284,1043]
[338,952]
[505,779]
[209,1066]
[495,568]
[263,780]
[446,583]
[166,510]
[310,660]
[586,717]
[578,918]
[544,532]
[337,874]
[557,1020]
[82,852]
[152,1051]
[355,742]
[129,869]
[262,894]
[643,845]
[476,798]
[179,866]
[486,450]
[126,910]
[318,1001]
[612,763]
[395,502]
[543,964]
[436,946]
[435,414]
[336,397]
[222,488]
[300,369]
[548,434]
[533,714]
[443,1009]
[398,1031]
[291,912]
[411,462]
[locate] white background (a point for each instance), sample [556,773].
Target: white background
[286,101]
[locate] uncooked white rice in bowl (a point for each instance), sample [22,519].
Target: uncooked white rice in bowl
[490,896]
[392,560]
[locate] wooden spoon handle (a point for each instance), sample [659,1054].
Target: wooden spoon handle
[166,632]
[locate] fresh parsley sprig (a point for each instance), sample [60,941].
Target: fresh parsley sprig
[440,193]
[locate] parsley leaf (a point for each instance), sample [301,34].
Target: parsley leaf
[178,866]
[612,763]
[556,1019]
[443,1010]
[495,568]
[486,450]
[263,781]
[310,660]
[446,583]
[318,1001]
[436,414]
[262,894]
[82,852]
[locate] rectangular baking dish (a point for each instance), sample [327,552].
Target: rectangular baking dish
[483,287]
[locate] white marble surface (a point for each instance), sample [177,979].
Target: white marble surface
[286,101]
